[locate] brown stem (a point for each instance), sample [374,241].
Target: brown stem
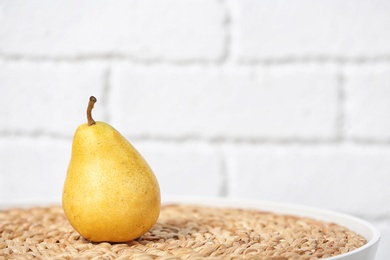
[92,101]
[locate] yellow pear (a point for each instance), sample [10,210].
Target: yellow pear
[110,192]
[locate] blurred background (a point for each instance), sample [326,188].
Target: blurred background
[285,101]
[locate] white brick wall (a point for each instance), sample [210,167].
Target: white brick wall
[368,102]
[192,168]
[138,29]
[47,97]
[225,103]
[272,100]
[269,29]
[32,168]
[314,175]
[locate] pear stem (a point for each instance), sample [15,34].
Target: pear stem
[92,101]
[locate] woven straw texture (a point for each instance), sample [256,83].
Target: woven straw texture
[182,232]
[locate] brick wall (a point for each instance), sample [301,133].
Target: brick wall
[270,100]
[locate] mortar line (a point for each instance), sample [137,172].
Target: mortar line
[226,56]
[223,191]
[17,133]
[106,93]
[315,59]
[198,61]
[341,99]
[34,134]
[259,141]
[112,57]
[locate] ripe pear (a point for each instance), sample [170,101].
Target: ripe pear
[110,193]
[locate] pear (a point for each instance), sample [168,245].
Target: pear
[110,192]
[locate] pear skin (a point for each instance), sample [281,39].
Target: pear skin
[110,192]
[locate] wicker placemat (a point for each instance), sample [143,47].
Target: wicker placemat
[182,232]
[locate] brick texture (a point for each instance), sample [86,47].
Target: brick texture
[269,29]
[368,102]
[47,98]
[33,169]
[226,103]
[172,29]
[346,178]
[188,169]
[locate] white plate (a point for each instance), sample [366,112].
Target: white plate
[367,230]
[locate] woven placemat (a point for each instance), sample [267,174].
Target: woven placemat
[182,232]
